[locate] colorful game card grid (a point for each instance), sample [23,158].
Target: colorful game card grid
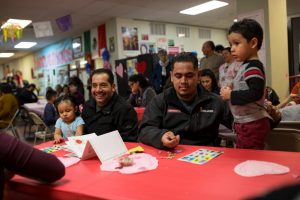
[200,156]
[52,149]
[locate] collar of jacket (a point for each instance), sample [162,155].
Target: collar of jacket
[107,108]
[172,98]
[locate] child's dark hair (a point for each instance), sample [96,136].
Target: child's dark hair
[249,29]
[50,94]
[67,98]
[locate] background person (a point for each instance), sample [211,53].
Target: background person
[8,105]
[209,81]
[161,71]
[141,91]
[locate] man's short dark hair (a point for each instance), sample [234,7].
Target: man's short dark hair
[219,48]
[249,29]
[50,94]
[211,44]
[104,71]
[32,85]
[186,57]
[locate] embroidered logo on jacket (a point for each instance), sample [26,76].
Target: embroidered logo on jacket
[174,111]
[205,111]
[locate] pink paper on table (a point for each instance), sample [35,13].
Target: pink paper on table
[141,162]
[251,168]
[68,161]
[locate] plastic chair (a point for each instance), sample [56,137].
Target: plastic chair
[11,125]
[283,139]
[42,131]
[289,124]
[227,135]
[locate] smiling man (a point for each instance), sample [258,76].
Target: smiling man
[106,111]
[184,113]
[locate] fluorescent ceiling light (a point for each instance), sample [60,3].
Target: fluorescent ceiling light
[21,22]
[211,5]
[6,55]
[25,45]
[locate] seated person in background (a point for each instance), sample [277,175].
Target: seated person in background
[106,111]
[228,70]
[185,113]
[272,96]
[65,90]
[290,113]
[74,91]
[70,123]
[27,95]
[209,81]
[8,105]
[141,91]
[50,114]
[17,157]
[58,89]
[293,98]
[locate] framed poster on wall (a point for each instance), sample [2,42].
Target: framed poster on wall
[77,47]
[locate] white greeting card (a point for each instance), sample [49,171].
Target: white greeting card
[105,147]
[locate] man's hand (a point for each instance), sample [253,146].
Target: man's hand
[170,140]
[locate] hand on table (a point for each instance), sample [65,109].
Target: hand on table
[170,140]
[58,139]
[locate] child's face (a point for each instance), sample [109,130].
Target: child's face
[241,49]
[66,111]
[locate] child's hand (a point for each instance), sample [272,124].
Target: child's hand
[225,93]
[58,139]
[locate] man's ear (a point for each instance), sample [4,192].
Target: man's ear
[253,42]
[113,86]
[171,76]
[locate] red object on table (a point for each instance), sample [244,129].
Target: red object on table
[140,112]
[172,179]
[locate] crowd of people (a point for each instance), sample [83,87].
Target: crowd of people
[184,102]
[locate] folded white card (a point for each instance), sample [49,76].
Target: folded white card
[80,146]
[106,146]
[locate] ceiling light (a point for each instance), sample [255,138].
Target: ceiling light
[6,55]
[25,45]
[21,22]
[211,5]
[235,20]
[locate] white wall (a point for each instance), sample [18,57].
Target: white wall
[218,36]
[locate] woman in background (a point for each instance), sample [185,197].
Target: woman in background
[208,81]
[141,91]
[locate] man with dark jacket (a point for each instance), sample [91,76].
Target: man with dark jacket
[184,113]
[107,111]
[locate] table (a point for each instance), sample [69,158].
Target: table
[172,179]
[37,108]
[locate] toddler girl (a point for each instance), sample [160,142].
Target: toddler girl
[69,123]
